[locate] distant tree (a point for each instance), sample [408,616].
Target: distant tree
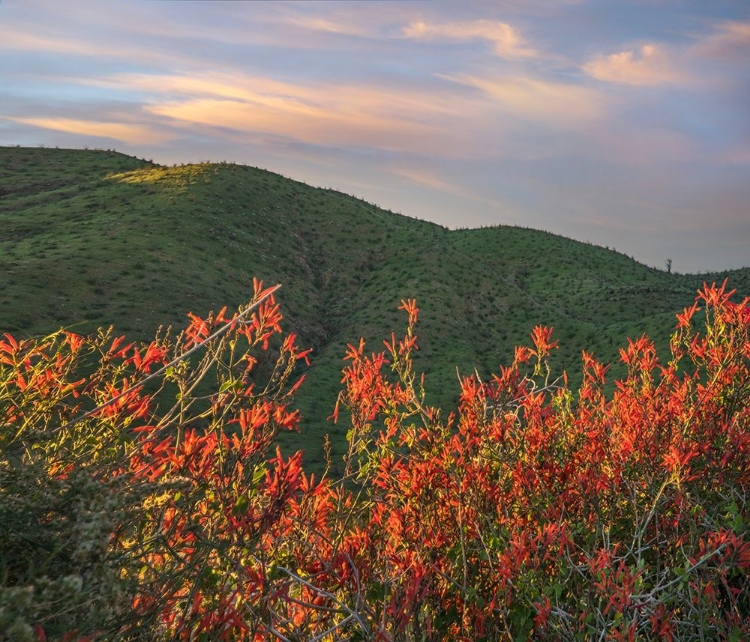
[668,263]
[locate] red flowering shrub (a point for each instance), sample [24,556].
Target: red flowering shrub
[140,514]
[159,511]
[534,511]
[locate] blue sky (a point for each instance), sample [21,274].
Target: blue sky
[622,123]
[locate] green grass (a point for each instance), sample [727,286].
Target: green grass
[94,238]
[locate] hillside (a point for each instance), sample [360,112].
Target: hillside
[94,238]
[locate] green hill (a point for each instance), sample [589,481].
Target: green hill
[94,238]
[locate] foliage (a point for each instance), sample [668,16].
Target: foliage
[532,510]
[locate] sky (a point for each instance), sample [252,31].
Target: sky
[626,124]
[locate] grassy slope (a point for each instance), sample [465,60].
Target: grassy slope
[96,238]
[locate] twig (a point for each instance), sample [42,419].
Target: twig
[343,622]
[174,361]
[326,594]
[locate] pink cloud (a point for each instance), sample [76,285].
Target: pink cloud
[130,134]
[506,41]
[729,43]
[555,104]
[650,66]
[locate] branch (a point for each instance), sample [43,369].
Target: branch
[175,361]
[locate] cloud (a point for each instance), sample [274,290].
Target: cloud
[324,113]
[24,41]
[552,103]
[292,118]
[484,117]
[433,118]
[505,40]
[650,66]
[325,25]
[431,180]
[729,43]
[126,133]
[325,98]
[218,85]
[20,40]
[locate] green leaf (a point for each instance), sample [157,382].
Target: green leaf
[240,505]
[230,385]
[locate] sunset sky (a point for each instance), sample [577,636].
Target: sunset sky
[622,123]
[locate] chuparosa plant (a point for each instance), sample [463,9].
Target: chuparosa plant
[142,494]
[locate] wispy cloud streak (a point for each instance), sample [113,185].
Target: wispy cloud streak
[125,133]
[506,41]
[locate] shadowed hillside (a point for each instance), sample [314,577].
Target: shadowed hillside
[94,238]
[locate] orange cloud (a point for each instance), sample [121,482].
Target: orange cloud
[294,119]
[325,100]
[123,132]
[327,114]
[651,66]
[432,120]
[505,40]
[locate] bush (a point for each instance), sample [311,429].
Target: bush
[530,511]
